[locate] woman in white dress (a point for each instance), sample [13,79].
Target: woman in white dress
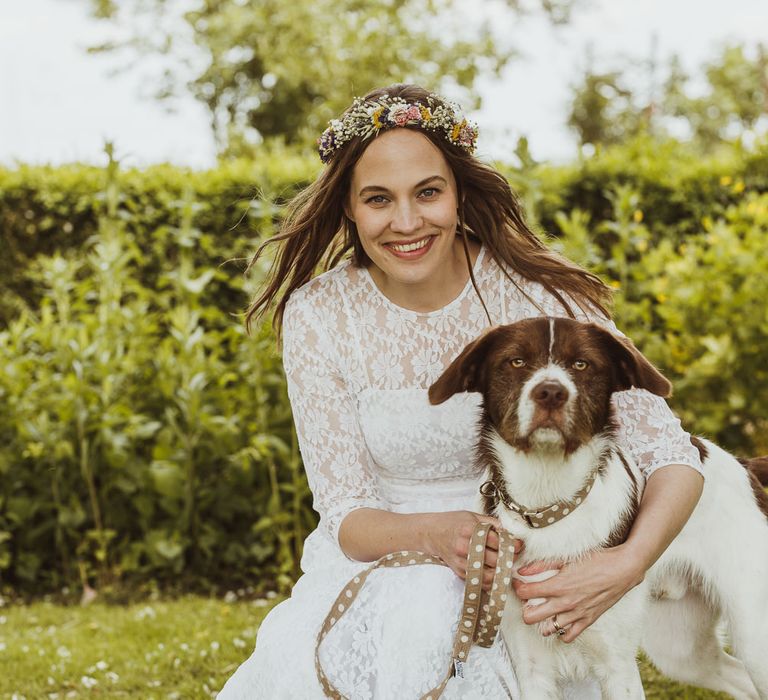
[439,251]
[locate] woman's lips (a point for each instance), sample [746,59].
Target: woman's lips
[412,254]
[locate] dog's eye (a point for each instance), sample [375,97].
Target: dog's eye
[580,365]
[518,362]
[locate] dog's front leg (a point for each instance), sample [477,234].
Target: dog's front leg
[534,664]
[621,681]
[612,643]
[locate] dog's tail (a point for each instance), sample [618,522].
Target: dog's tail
[759,467]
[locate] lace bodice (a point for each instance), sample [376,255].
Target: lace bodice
[358,368]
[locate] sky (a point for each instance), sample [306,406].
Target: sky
[59,104]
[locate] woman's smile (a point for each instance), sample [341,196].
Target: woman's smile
[412,249]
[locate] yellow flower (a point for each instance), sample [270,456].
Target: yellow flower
[642,245]
[637,216]
[426,115]
[661,298]
[615,284]
[706,222]
[375,116]
[726,180]
[738,186]
[457,130]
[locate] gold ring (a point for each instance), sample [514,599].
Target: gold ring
[560,630]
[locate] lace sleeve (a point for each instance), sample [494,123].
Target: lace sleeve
[339,467]
[651,433]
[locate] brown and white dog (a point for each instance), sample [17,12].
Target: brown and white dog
[560,482]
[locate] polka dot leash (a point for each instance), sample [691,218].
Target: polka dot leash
[481,611]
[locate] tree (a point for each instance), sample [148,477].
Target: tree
[606,110]
[737,96]
[603,111]
[277,69]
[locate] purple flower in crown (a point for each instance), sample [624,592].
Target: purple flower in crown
[328,139]
[326,144]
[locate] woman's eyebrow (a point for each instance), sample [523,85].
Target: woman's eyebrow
[421,183]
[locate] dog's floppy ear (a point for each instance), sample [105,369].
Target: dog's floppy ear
[633,369]
[465,373]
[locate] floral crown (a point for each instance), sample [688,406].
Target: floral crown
[367,118]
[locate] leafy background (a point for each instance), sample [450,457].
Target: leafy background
[147,441]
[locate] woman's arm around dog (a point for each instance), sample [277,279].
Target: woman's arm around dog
[584,590]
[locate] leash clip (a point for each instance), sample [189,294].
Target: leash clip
[489,490]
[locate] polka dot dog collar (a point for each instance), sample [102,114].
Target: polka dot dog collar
[539,517]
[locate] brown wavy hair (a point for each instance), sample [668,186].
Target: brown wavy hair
[317,233]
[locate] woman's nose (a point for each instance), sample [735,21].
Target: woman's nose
[406,219]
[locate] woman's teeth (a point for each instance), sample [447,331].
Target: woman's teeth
[410,246]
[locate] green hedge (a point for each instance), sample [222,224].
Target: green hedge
[676,187]
[144,437]
[44,210]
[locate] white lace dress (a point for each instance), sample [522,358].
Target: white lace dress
[358,368]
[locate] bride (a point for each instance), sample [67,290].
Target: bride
[438,250]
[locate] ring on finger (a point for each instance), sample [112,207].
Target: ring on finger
[560,631]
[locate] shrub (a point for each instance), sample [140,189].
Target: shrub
[144,437]
[140,439]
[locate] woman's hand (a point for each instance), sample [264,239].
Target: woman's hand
[580,592]
[448,537]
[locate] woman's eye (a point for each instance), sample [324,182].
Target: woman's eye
[430,192]
[518,362]
[376,199]
[580,365]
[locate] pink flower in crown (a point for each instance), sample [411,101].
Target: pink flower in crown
[414,113]
[465,134]
[398,115]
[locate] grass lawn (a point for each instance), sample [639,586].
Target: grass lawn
[173,649]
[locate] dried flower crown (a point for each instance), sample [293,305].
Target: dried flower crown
[367,118]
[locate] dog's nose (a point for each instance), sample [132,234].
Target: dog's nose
[550,394]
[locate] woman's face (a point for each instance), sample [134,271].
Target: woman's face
[403,200]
